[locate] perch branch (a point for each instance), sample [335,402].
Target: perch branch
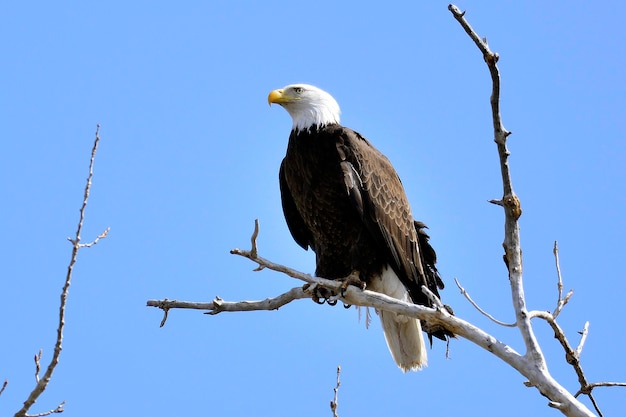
[218,305]
[4,385]
[365,298]
[42,383]
[356,296]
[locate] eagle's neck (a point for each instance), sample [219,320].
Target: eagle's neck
[313,129]
[314,115]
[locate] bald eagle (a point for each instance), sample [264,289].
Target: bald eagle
[343,199]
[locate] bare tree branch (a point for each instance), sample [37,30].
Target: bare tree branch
[560,398]
[42,383]
[513,256]
[358,297]
[366,298]
[218,305]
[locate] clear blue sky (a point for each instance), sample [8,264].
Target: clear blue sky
[189,158]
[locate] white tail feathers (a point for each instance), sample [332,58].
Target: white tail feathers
[403,334]
[404,340]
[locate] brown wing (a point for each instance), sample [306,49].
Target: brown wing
[300,232]
[384,207]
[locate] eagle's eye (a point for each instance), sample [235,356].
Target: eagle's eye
[298,90]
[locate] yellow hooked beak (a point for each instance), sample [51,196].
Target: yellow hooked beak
[278,97]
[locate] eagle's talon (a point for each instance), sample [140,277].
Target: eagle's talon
[323,295]
[318,300]
[352,279]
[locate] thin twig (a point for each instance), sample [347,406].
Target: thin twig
[38,364]
[43,382]
[334,403]
[96,240]
[59,409]
[477,307]
[264,263]
[4,385]
[583,339]
[491,59]
[254,250]
[435,301]
[560,301]
[589,387]
[555,251]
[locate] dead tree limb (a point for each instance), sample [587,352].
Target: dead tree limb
[561,400]
[43,382]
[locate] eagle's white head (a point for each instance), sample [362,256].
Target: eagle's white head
[308,105]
